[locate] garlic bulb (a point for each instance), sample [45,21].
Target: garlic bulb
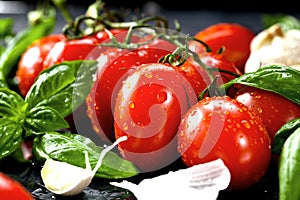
[273,46]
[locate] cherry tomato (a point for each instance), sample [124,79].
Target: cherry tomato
[31,61]
[115,66]
[12,189]
[234,37]
[274,109]
[148,110]
[221,127]
[54,49]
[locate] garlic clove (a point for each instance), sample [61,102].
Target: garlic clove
[67,180]
[203,180]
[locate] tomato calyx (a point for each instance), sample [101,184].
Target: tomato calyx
[212,90]
[212,64]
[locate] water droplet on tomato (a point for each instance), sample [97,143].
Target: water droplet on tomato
[161,97]
[246,124]
[131,104]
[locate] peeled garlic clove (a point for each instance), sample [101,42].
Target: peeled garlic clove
[65,179]
[203,180]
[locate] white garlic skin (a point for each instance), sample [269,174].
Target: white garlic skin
[274,46]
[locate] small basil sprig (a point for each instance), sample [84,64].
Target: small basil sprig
[70,148]
[49,100]
[18,43]
[276,78]
[286,22]
[289,168]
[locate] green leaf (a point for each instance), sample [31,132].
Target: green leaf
[276,78]
[11,105]
[10,137]
[85,77]
[283,133]
[50,86]
[289,168]
[70,148]
[44,119]
[63,86]
[287,22]
[6,25]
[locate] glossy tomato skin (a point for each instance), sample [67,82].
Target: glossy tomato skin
[221,127]
[148,109]
[69,50]
[116,65]
[236,39]
[274,109]
[12,189]
[86,47]
[31,61]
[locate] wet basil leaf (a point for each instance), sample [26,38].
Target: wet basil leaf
[42,119]
[70,148]
[289,168]
[11,104]
[276,78]
[62,85]
[10,137]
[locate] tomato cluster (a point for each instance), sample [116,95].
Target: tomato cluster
[151,95]
[137,95]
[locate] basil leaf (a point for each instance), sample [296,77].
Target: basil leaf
[276,78]
[84,80]
[18,44]
[11,104]
[50,84]
[55,86]
[289,168]
[70,148]
[10,136]
[43,119]
[287,22]
[283,133]
[6,25]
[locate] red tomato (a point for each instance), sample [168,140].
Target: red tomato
[221,127]
[148,110]
[274,109]
[234,37]
[54,49]
[12,189]
[31,61]
[115,66]
[80,49]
